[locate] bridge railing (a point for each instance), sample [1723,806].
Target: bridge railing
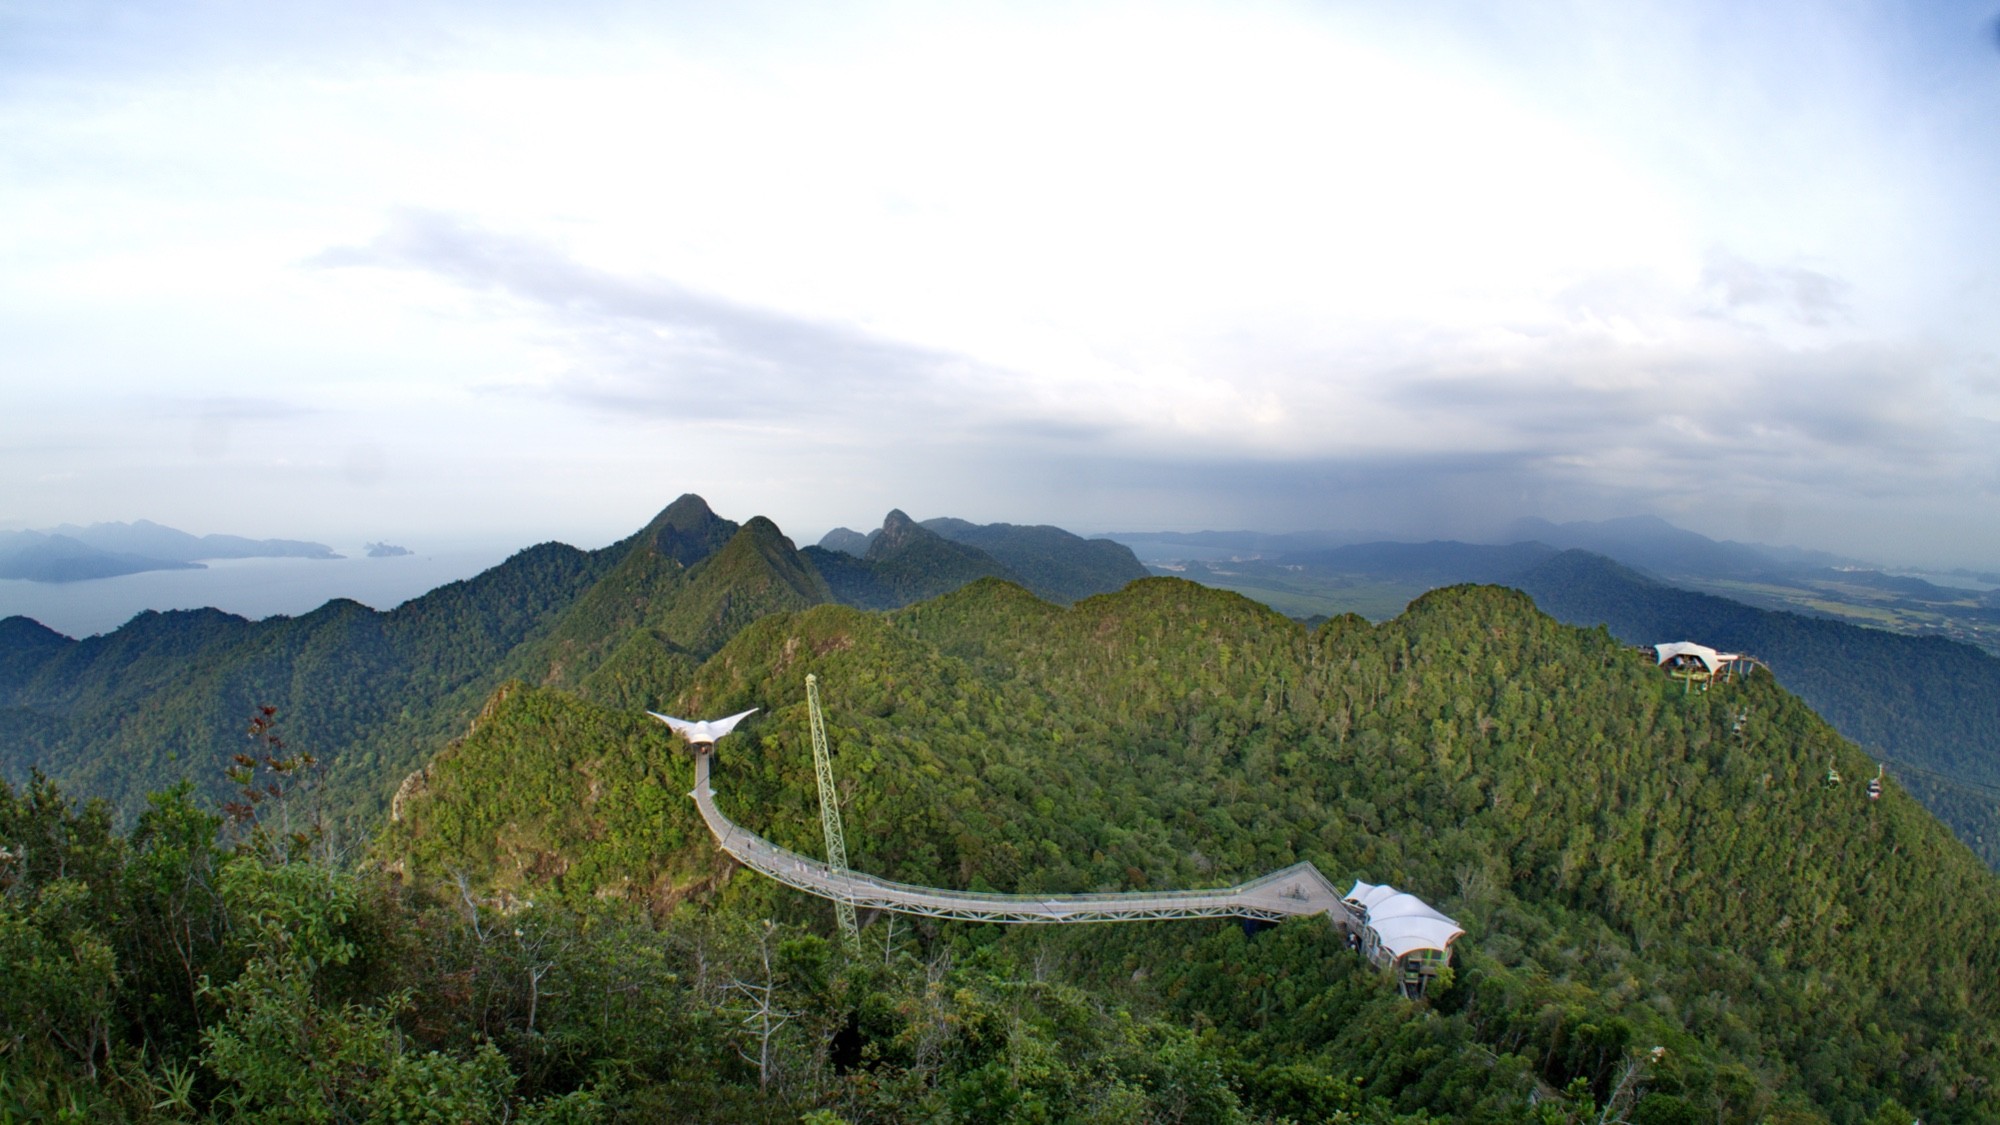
[1298,889]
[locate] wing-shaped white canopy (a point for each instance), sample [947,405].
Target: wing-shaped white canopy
[707,730]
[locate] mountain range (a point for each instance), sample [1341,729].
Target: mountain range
[125,712]
[1653,544]
[1316,573]
[373,693]
[1672,914]
[904,561]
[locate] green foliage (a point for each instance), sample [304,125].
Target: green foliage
[57,893]
[545,931]
[542,773]
[288,1049]
[162,699]
[150,977]
[373,695]
[1598,831]
[1927,702]
[1971,810]
[62,975]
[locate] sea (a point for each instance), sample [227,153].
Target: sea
[253,588]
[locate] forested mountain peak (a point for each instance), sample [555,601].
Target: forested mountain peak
[1056,564]
[1576,565]
[904,562]
[25,646]
[761,551]
[157,634]
[26,638]
[26,632]
[642,627]
[1003,606]
[899,532]
[1486,601]
[687,530]
[758,563]
[340,607]
[846,540]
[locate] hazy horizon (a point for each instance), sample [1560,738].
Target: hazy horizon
[258,588]
[496,541]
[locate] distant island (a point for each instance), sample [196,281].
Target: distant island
[386,550]
[106,550]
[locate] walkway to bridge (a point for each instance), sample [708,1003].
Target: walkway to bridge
[1298,889]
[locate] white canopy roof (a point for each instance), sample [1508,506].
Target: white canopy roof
[1368,894]
[1710,659]
[1403,923]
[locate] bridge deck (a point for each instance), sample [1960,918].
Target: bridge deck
[1298,889]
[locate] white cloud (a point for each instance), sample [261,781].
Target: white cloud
[1541,256]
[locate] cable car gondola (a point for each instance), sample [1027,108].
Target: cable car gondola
[1875,784]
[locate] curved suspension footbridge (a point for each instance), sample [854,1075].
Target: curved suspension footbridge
[1385,925]
[1298,889]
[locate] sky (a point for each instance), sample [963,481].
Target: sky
[439,271]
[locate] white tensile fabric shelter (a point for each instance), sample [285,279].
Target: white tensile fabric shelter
[1709,658]
[1399,923]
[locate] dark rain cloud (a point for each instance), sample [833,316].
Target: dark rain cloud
[1594,421]
[1417,495]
